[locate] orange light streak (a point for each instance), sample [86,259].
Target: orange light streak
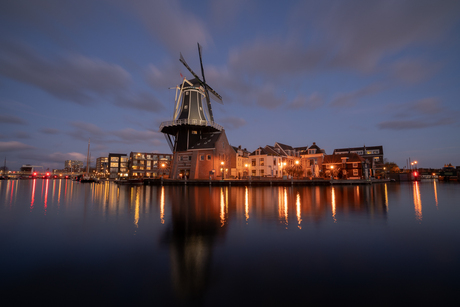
[334,209]
[417,202]
[162,205]
[298,211]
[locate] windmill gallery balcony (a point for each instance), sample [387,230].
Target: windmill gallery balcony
[194,122]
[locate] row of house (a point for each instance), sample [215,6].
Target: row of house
[136,165]
[277,161]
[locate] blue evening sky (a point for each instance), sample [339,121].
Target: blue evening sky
[338,73]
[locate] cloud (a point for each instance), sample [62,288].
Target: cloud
[14,146]
[413,71]
[313,102]
[414,124]
[60,157]
[352,98]
[232,122]
[21,135]
[50,131]
[130,135]
[167,20]
[71,77]
[142,101]
[10,119]
[362,33]
[423,113]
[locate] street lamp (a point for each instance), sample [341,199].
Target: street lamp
[332,172]
[162,170]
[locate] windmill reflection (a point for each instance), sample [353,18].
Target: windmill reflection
[198,216]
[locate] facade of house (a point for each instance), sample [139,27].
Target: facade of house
[239,163]
[73,166]
[102,165]
[312,160]
[118,165]
[149,165]
[209,157]
[265,162]
[374,155]
[345,166]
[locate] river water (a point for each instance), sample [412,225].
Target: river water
[82,244]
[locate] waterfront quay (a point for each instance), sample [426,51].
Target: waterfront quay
[262,182]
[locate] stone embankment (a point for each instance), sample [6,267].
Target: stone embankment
[263,182]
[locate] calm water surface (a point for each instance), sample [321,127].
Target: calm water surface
[67,243]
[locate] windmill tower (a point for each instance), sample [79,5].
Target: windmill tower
[192,111]
[192,126]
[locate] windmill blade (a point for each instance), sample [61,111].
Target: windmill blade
[215,96]
[189,69]
[205,85]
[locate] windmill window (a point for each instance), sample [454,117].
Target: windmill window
[209,157]
[202,158]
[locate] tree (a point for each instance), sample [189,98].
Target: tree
[391,167]
[295,170]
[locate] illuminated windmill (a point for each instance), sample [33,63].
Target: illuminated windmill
[192,111]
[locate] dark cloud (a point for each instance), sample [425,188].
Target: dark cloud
[313,102]
[232,122]
[72,77]
[423,113]
[10,119]
[352,98]
[143,101]
[50,131]
[413,70]
[21,135]
[14,146]
[362,33]
[414,124]
[168,21]
[129,135]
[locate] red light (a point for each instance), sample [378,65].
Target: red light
[47,174]
[415,174]
[35,174]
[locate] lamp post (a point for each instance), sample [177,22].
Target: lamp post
[162,170]
[332,172]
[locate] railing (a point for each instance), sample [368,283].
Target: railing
[190,122]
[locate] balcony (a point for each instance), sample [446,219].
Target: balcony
[195,122]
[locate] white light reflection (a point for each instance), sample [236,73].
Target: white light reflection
[298,211]
[162,205]
[333,205]
[417,202]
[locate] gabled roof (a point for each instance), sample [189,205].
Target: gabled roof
[284,146]
[314,146]
[264,151]
[271,150]
[208,141]
[352,157]
[363,148]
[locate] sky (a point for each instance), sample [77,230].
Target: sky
[338,73]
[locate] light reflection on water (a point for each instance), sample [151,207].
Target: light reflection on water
[188,243]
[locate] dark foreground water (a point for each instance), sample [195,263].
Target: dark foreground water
[67,243]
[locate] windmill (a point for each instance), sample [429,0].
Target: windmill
[192,117]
